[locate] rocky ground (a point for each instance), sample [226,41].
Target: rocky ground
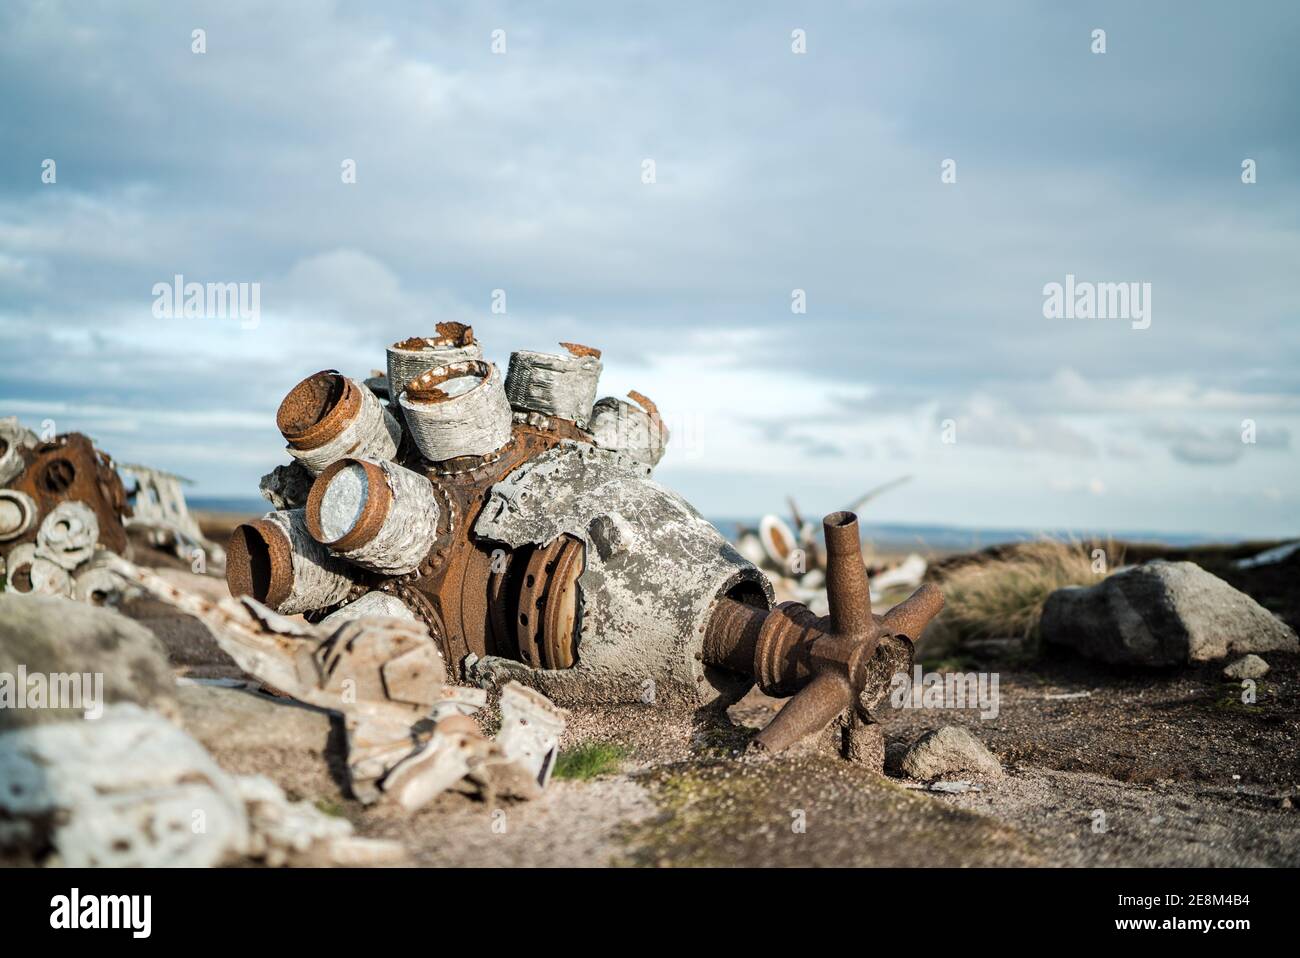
[1167,770]
[1101,768]
[1085,765]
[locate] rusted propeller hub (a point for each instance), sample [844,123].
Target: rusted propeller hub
[824,662]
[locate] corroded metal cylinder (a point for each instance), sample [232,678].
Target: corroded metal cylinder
[328,416]
[17,513]
[276,561]
[454,343]
[26,571]
[633,429]
[380,515]
[457,410]
[559,386]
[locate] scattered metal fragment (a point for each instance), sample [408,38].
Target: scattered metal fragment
[409,732]
[824,662]
[380,604]
[1269,556]
[287,487]
[121,791]
[531,727]
[158,505]
[128,789]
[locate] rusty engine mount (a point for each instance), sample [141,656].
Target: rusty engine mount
[518,521]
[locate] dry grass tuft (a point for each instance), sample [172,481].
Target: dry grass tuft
[1003,598]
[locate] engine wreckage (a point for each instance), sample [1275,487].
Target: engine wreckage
[443,524]
[442,532]
[65,511]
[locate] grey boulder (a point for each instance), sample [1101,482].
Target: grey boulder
[56,646]
[1161,614]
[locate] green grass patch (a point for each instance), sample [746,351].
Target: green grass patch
[589,760]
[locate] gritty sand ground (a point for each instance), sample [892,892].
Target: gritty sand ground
[1155,757]
[1158,768]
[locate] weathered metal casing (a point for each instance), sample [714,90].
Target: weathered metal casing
[380,515]
[655,569]
[552,385]
[454,343]
[328,416]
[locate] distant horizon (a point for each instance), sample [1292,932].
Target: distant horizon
[249,505]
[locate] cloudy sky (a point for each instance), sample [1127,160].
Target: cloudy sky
[774,171]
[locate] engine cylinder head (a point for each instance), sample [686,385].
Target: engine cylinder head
[454,343]
[457,410]
[382,516]
[328,416]
[634,429]
[276,561]
[17,513]
[553,385]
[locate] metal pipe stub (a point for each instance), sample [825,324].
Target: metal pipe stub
[553,385]
[455,410]
[454,343]
[379,515]
[276,561]
[328,416]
